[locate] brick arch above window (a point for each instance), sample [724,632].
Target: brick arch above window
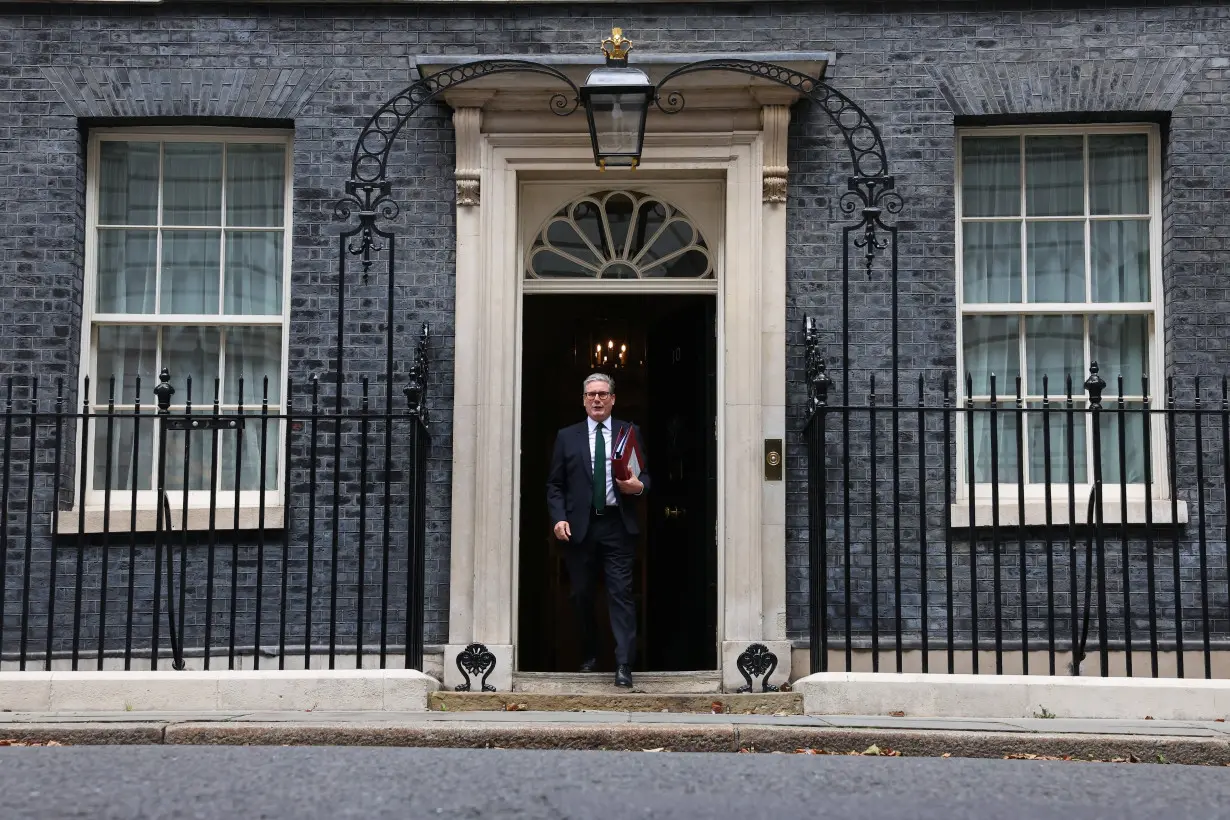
[252,93]
[1061,86]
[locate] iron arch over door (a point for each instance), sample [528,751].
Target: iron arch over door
[869,199]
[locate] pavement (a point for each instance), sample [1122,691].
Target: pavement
[1161,741]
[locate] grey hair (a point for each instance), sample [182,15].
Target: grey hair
[599,377]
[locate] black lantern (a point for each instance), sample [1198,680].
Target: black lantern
[616,100]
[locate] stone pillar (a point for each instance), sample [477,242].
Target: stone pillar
[755,552]
[466,570]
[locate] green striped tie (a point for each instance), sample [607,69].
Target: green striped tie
[599,469]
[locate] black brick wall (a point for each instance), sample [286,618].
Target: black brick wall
[916,67]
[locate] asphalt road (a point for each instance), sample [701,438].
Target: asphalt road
[324,782]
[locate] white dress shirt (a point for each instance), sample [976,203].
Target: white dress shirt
[608,437]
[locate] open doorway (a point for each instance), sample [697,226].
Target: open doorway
[662,352]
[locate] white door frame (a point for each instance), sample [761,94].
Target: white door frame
[751,391]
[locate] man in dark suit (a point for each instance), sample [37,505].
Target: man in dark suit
[595,517]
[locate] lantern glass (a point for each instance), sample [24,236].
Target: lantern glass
[616,103]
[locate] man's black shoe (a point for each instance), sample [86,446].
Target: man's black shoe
[589,665]
[623,676]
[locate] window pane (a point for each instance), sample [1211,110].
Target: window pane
[991,261]
[119,441]
[1055,348]
[1057,420]
[191,351]
[990,176]
[1120,261]
[694,264]
[190,270]
[1120,346]
[992,348]
[1056,261]
[563,235]
[589,221]
[255,185]
[1054,176]
[1119,174]
[649,221]
[198,447]
[192,183]
[128,183]
[126,353]
[254,272]
[619,209]
[1132,465]
[244,449]
[127,273]
[551,265]
[1003,466]
[252,353]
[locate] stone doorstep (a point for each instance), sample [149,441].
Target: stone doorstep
[783,703]
[602,683]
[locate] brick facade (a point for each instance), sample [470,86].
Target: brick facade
[917,68]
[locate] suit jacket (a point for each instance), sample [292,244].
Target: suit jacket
[570,481]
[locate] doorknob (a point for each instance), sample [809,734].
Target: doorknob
[676,512]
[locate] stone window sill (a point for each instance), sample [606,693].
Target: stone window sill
[1035,512]
[147,519]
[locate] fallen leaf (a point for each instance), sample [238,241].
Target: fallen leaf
[514,707]
[1219,720]
[54,743]
[785,687]
[872,750]
[946,754]
[1148,717]
[659,749]
[898,713]
[717,707]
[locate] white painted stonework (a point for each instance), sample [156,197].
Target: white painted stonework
[1013,696]
[732,132]
[379,690]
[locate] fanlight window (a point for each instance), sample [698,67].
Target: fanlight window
[619,235]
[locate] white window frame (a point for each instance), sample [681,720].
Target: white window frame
[1035,492]
[225,501]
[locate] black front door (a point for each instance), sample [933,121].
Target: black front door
[680,434]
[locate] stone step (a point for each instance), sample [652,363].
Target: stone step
[603,683]
[777,703]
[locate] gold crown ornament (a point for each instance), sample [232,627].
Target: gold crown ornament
[616,47]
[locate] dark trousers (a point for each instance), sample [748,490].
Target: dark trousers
[608,546]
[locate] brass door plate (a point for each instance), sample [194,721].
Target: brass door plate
[773,459]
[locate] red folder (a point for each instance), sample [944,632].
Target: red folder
[627,460]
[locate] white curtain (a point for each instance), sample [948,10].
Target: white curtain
[992,348]
[124,353]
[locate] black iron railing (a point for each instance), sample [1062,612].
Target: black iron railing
[928,550]
[289,532]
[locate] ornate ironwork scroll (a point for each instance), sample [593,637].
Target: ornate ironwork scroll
[757,662]
[818,381]
[476,659]
[371,152]
[416,386]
